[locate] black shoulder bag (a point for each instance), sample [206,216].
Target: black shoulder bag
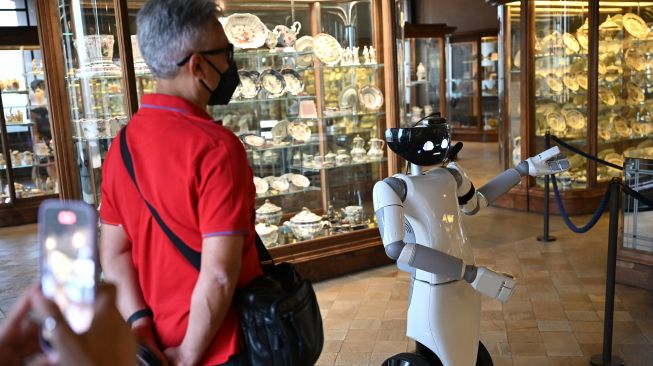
[279,314]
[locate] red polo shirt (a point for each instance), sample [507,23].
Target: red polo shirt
[196,174]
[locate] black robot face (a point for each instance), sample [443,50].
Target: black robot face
[425,144]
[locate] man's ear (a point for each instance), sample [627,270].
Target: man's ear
[196,66]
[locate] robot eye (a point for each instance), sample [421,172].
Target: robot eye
[428,146]
[445,143]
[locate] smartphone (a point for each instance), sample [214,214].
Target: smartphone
[68,259]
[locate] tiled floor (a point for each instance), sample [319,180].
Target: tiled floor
[554,318]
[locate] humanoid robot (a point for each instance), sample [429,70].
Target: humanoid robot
[420,224]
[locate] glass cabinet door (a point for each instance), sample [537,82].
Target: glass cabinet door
[423,81]
[462,75]
[27,134]
[94,84]
[309,110]
[489,83]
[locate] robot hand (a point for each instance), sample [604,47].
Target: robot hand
[495,285]
[547,162]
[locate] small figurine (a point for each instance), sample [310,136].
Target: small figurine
[346,57]
[366,55]
[421,72]
[355,60]
[372,55]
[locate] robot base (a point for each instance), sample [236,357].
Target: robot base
[425,357]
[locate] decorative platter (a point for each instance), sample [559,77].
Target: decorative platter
[556,122]
[348,98]
[294,82]
[607,96]
[575,119]
[273,83]
[570,82]
[253,140]
[245,30]
[327,49]
[299,131]
[371,97]
[249,85]
[570,41]
[635,25]
[304,44]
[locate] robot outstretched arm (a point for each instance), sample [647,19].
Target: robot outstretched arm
[471,200]
[388,205]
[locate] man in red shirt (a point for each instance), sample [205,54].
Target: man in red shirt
[195,173]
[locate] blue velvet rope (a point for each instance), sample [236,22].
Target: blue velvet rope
[582,153]
[595,218]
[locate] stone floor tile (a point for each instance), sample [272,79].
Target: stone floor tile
[524,336]
[326,359]
[561,344]
[553,326]
[530,361]
[582,315]
[568,361]
[353,358]
[527,349]
[393,347]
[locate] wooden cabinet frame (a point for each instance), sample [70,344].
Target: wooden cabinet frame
[353,251]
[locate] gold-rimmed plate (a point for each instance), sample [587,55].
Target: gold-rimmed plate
[635,25]
[327,49]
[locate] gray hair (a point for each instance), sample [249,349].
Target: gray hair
[169,30]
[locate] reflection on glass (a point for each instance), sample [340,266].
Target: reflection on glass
[423,79]
[512,60]
[489,83]
[461,90]
[25,109]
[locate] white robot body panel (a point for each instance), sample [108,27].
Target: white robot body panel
[454,315]
[434,216]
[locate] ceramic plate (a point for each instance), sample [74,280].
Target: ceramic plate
[583,40]
[635,25]
[253,140]
[273,83]
[371,97]
[299,131]
[304,44]
[635,93]
[556,122]
[642,129]
[635,59]
[327,49]
[348,98]
[249,85]
[300,181]
[245,30]
[607,96]
[261,185]
[570,41]
[621,127]
[280,130]
[570,82]
[554,84]
[280,184]
[575,119]
[581,79]
[294,82]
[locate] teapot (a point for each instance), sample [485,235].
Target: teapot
[353,214]
[342,158]
[358,150]
[305,225]
[287,36]
[268,233]
[376,149]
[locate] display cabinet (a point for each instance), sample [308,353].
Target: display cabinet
[311,111]
[472,85]
[580,70]
[424,69]
[27,169]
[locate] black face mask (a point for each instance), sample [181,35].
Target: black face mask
[229,81]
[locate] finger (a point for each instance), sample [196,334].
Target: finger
[19,311]
[39,360]
[62,338]
[548,154]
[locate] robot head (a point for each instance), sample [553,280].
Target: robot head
[426,143]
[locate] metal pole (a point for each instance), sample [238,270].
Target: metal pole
[607,359]
[545,237]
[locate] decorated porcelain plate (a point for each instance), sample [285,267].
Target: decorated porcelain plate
[245,30]
[371,97]
[294,82]
[249,85]
[261,185]
[556,122]
[635,25]
[607,96]
[327,49]
[253,140]
[635,93]
[299,180]
[642,129]
[280,130]
[280,184]
[621,127]
[273,83]
[575,119]
[299,131]
[304,44]
[583,40]
[348,98]
[635,59]
[570,82]
[581,79]
[554,84]
[571,43]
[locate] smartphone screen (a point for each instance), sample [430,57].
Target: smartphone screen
[69,273]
